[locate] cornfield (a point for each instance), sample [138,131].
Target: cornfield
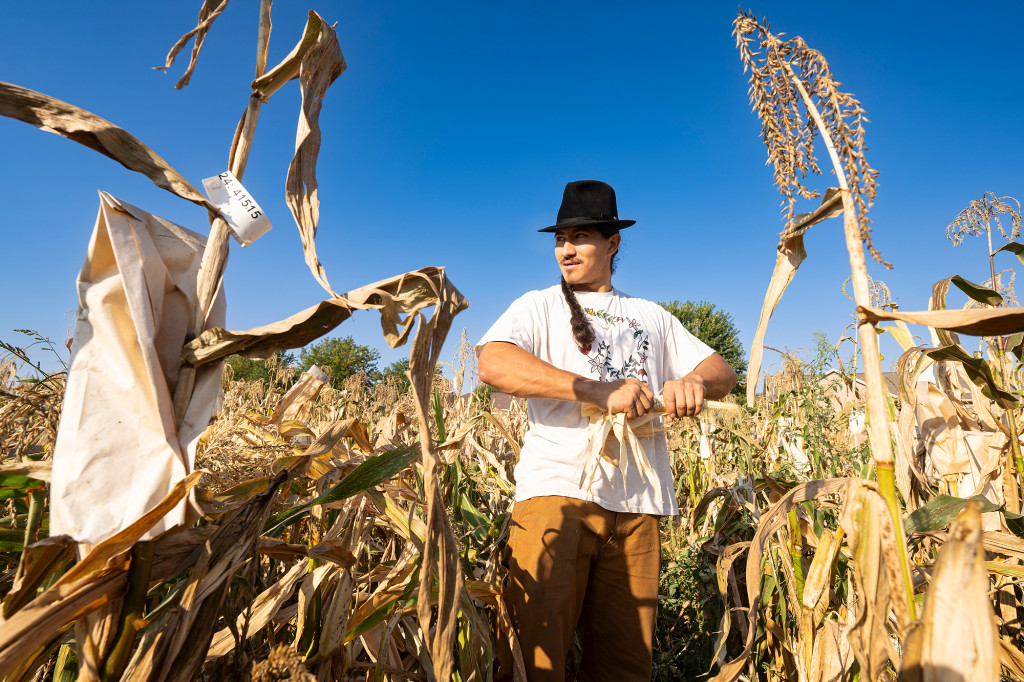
[834,528]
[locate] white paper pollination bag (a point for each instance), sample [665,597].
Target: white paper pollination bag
[117,452]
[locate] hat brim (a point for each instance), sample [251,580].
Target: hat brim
[589,222]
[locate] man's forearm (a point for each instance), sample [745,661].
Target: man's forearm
[512,370]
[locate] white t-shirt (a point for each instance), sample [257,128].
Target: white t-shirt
[634,338]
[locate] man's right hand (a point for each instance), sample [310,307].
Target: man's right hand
[631,396]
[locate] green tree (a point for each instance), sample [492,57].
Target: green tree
[279,369]
[397,369]
[343,357]
[715,328]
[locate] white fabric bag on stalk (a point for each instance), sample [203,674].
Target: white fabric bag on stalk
[117,452]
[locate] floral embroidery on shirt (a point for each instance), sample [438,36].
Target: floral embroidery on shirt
[603,364]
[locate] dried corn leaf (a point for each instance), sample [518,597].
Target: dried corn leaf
[722,569]
[870,534]
[123,540]
[180,654]
[298,401]
[319,67]
[328,440]
[328,550]
[976,321]
[33,625]
[208,13]
[336,618]
[1003,543]
[78,125]
[440,548]
[41,471]
[261,612]
[957,638]
[272,81]
[398,298]
[831,659]
[771,521]
[1011,657]
[39,561]
[901,332]
[232,498]
[790,255]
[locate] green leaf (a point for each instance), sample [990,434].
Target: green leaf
[941,510]
[16,482]
[977,370]
[369,474]
[977,292]
[1015,345]
[404,600]
[1015,248]
[435,401]
[478,523]
[767,588]
[12,540]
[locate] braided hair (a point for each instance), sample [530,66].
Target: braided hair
[582,331]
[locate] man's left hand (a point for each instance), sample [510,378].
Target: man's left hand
[684,397]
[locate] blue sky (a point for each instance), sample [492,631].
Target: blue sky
[450,137]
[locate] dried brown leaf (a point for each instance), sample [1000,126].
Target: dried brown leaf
[208,13]
[27,629]
[52,115]
[298,401]
[320,66]
[398,298]
[262,611]
[771,521]
[976,322]
[864,518]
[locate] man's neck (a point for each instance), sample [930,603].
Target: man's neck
[602,288]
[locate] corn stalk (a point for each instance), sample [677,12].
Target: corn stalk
[791,148]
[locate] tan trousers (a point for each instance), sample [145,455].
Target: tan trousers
[573,564]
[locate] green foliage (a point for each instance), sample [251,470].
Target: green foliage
[808,409]
[483,394]
[277,370]
[397,369]
[342,357]
[689,616]
[716,328]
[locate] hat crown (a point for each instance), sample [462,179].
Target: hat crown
[587,203]
[588,199]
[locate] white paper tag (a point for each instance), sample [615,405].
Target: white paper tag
[243,215]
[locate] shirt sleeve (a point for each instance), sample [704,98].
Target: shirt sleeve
[518,325]
[683,350]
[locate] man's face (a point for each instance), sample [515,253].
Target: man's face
[585,257]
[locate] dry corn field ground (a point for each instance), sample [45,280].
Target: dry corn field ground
[838,526]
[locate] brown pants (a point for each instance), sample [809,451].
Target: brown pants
[574,564]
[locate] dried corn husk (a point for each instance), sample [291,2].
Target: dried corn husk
[957,638]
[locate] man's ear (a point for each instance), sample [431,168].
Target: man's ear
[613,242]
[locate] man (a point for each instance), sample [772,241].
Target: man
[586,554]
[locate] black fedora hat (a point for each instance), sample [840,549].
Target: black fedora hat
[586,203]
